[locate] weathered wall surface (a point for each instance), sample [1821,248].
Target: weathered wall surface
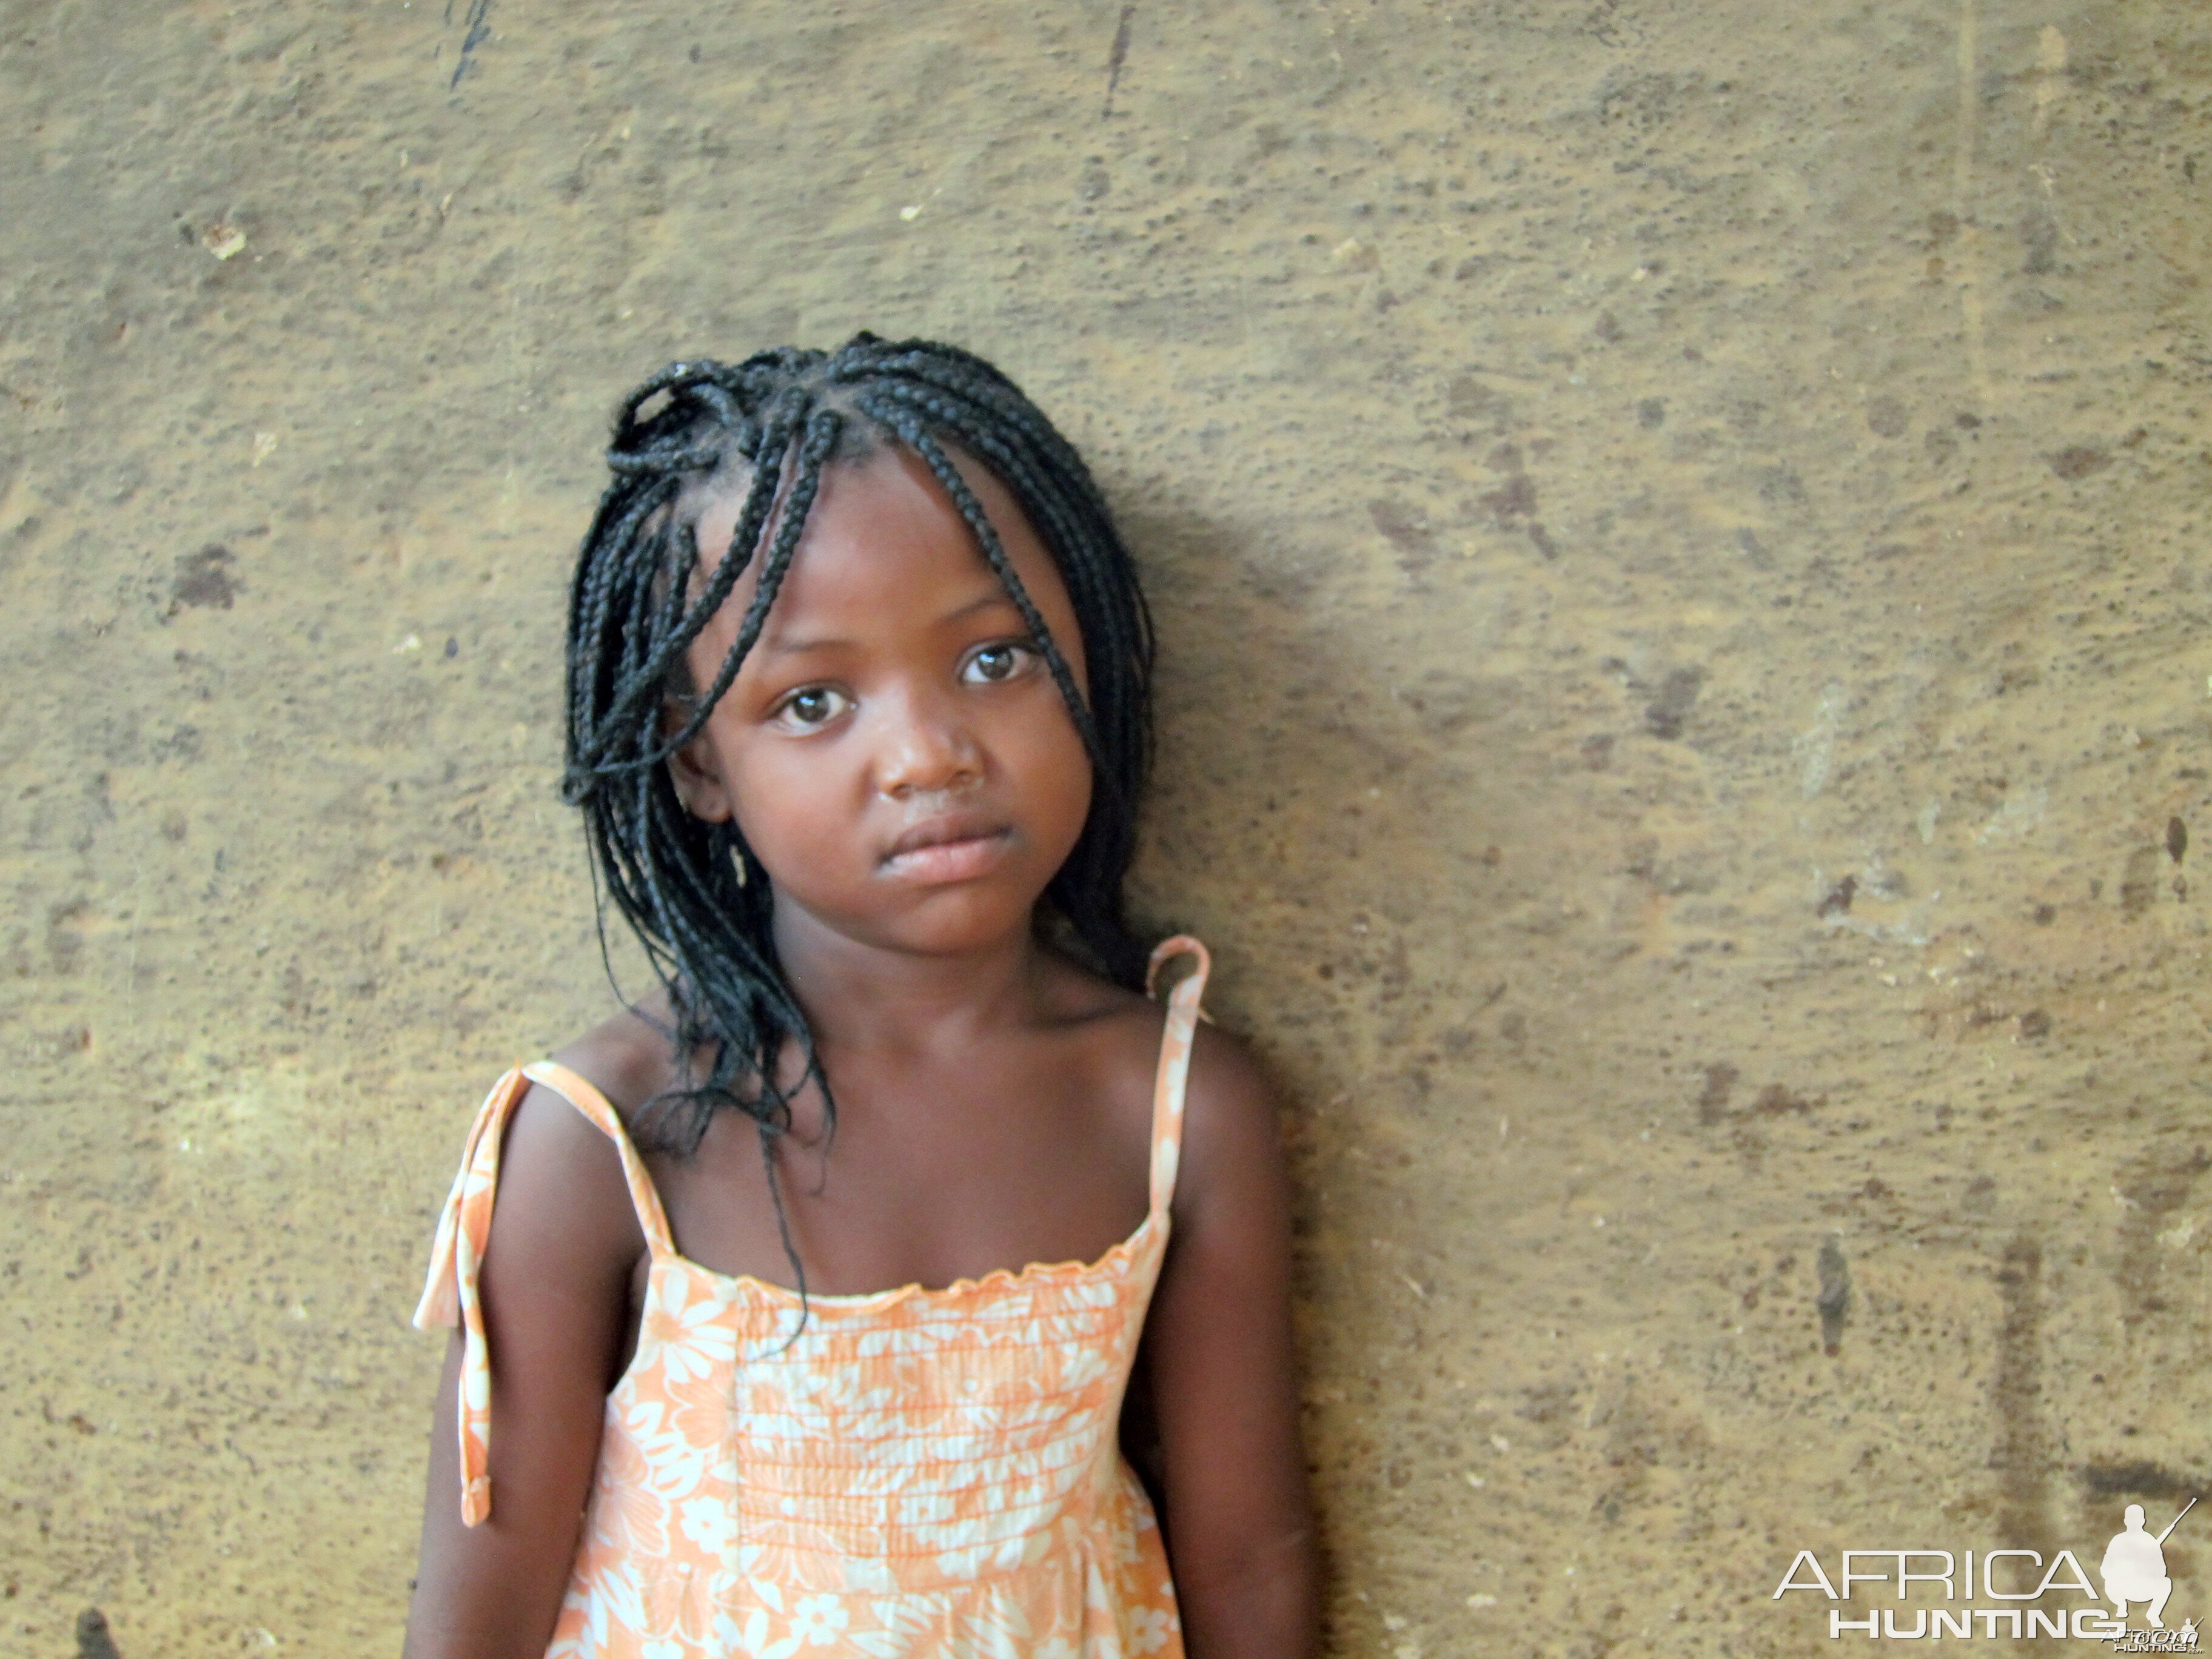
[1678,535]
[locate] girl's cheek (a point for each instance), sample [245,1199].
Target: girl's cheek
[1073,782]
[805,793]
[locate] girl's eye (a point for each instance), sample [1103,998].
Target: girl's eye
[997,662]
[815,705]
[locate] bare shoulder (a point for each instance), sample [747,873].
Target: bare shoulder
[1229,1112]
[1229,1134]
[627,1057]
[1225,1075]
[564,1197]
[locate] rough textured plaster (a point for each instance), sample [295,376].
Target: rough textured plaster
[1678,534]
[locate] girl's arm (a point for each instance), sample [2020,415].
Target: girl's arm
[554,1283]
[1239,1520]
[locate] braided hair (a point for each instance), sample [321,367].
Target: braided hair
[692,891]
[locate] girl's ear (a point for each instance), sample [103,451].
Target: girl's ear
[698,781]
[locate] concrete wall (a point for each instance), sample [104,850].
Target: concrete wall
[1678,530]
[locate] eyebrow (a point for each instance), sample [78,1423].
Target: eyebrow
[980,602]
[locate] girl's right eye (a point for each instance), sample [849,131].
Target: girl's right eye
[811,707]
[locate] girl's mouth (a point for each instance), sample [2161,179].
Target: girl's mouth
[950,853]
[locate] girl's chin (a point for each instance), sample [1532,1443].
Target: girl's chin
[948,920]
[961,929]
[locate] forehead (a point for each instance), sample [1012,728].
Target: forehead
[881,533]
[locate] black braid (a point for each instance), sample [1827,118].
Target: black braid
[698,902]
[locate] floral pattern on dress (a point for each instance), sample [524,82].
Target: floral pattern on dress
[923,1474]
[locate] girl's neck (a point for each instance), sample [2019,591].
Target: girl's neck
[865,997]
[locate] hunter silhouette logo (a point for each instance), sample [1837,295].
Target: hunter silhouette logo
[2020,1582]
[2134,1568]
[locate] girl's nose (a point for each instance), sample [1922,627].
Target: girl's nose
[926,750]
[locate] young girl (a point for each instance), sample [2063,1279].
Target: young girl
[817,1282]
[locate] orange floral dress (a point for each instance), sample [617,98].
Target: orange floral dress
[922,1475]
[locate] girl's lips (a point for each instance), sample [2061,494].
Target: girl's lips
[950,860]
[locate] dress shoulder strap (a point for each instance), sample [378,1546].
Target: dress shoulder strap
[449,1294]
[1183,1014]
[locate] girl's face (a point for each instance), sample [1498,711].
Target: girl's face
[894,748]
